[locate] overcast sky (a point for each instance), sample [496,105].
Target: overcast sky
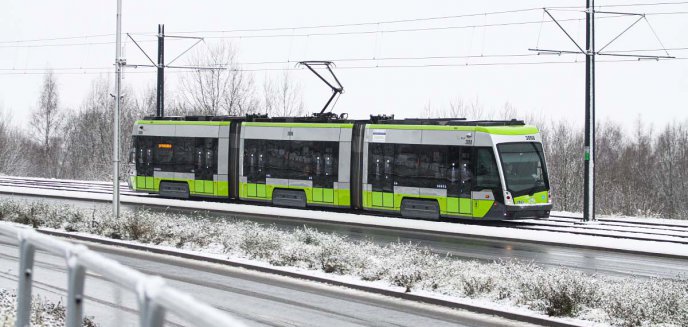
[657,91]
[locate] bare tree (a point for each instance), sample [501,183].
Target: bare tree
[282,97]
[12,158]
[46,121]
[146,102]
[508,111]
[226,90]
[93,122]
[458,108]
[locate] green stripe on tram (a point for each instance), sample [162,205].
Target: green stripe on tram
[497,130]
[303,125]
[182,122]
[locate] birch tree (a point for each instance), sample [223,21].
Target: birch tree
[282,97]
[46,122]
[89,132]
[226,90]
[12,160]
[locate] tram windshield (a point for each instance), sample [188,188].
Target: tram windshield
[524,167]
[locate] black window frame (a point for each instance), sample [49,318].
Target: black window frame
[296,160]
[539,150]
[495,188]
[179,158]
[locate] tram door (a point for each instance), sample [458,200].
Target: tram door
[204,160]
[381,174]
[144,163]
[459,180]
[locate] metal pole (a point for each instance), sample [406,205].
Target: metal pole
[589,146]
[161,71]
[27,252]
[118,99]
[76,277]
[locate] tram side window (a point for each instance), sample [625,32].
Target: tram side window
[486,173]
[420,165]
[407,165]
[164,151]
[307,160]
[173,154]
[299,160]
[277,154]
[183,153]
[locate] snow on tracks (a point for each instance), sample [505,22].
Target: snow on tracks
[629,239]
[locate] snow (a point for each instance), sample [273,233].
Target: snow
[44,312]
[505,233]
[643,220]
[399,267]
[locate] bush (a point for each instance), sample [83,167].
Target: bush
[259,243]
[560,292]
[552,291]
[655,301]
[44,313]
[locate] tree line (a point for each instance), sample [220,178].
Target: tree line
[78,143]
[639,172]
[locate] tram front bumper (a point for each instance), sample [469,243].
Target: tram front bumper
[528,211]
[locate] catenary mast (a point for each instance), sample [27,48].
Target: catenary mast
[119,61]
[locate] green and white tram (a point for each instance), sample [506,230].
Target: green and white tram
[420,168]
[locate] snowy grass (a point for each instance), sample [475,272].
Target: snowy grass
[43,312]
[556,292]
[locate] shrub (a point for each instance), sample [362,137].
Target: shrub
[553,291]
[259,243]
[44,313]
[560,292]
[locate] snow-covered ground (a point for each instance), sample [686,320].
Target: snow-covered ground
[636,219]
[543,236]
[44,312]
[400,266]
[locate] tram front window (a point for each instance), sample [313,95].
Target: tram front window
[524,167]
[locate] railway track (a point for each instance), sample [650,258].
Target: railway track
[614,228]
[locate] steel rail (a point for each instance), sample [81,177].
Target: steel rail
[584,229]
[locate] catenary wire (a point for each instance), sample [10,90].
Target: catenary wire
[360,24]
[340,33]
[374,59]
[34,72]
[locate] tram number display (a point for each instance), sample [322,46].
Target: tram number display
[530,137]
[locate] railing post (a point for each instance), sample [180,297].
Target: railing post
[155,314]
[150,313]
[75,293]
[26,255]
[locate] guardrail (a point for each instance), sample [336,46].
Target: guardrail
[153,296]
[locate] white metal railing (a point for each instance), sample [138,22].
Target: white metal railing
[153,296]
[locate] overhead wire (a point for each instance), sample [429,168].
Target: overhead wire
[381,22]
[22,43]
[6,44]
[145,70]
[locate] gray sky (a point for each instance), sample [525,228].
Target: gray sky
[655,91]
